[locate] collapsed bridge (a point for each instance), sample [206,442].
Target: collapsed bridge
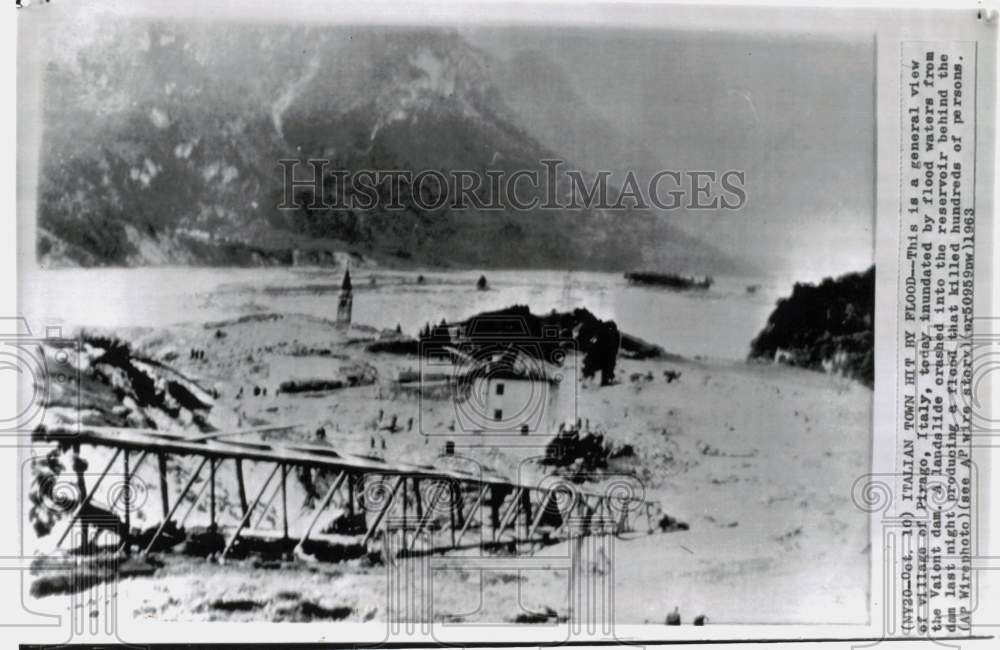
[420,508]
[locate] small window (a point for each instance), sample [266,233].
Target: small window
[498,414]
[499,389]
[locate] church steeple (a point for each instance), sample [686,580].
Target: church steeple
[346,301]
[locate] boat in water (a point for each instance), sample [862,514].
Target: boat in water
[669,280]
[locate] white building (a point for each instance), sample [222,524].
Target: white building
[516,393]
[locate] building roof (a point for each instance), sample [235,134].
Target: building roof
[510,363]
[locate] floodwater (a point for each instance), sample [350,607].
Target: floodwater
[718,323]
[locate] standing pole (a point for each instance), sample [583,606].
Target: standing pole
[423,521]
[381,514]
[211,495]
[406,512]
[541,512]
[595,514]
[246,517]
[241,484]
[451,511]
[419,498]
[494,512]
[284,499]
[164,494]
[579,504]
[350,495]
[508,514]
[81,486]
[194,503]
[526,506]
[472,513]
[319,511]
[177,504]
[86,498]
[267,506]
[623,519]
[460,502]
[126,534]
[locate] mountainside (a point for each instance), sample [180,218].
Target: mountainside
[161,146]
[539,91]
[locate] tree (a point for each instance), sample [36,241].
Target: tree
[602,353]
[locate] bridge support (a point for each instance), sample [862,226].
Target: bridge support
[456,502]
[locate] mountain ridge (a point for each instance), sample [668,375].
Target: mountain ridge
[160,149]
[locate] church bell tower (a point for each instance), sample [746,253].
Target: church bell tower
[345,302]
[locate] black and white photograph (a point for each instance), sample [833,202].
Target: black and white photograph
[341,321]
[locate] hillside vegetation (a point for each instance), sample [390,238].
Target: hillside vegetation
[828,326]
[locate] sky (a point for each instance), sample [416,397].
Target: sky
[792,109]
[795,111]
